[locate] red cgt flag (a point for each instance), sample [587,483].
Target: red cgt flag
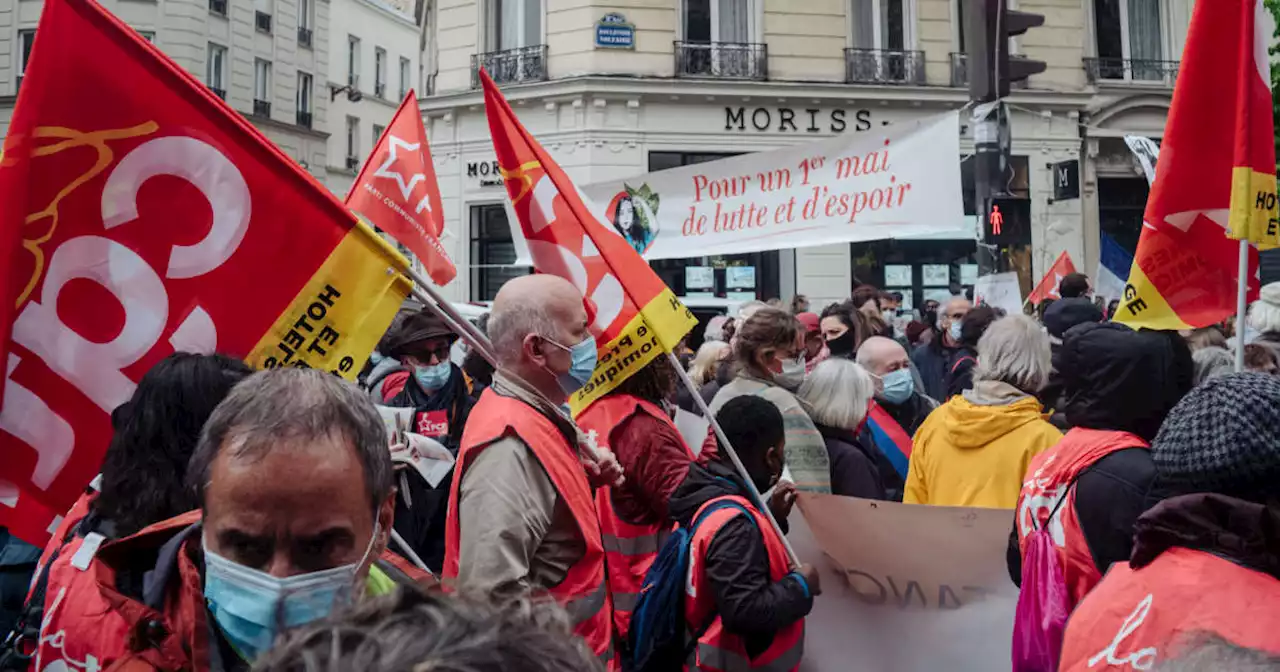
[153,218]
[635,316]
[1048,287]
[397,192]
[1216,175]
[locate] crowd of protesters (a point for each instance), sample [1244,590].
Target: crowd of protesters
[287,520]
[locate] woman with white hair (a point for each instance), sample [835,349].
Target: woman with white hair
[837,395]
[974,449]
[1264,317]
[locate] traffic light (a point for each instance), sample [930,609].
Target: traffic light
[991,68]
[1007,221]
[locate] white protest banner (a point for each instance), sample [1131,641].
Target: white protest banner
[999,290]
[894,181]
[905,587]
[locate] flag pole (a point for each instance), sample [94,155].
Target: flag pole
[756,498]
[1242,289]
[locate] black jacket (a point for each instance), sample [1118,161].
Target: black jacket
[750,604]
[1116,379]
[854,472]
[421,510]
[960,375]
[911,413]
[933,361]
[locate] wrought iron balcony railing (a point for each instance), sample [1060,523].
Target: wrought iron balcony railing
[513,66]
[724,60]
[1131,70]
[883,66]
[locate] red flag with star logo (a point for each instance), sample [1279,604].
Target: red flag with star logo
[398,193]
[1048,287]
[634,316]
[1216,175]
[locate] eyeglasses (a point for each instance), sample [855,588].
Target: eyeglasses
[440,352]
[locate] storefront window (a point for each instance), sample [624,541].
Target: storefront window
[740,277]
[492,251]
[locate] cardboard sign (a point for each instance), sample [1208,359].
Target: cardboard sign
[905,587]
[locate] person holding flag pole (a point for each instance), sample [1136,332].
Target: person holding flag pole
[634,315]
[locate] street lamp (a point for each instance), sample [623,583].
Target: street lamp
[353,94]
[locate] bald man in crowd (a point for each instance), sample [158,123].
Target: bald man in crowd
[887,362]
[522,516]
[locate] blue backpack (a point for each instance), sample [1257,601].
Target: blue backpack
[658,628]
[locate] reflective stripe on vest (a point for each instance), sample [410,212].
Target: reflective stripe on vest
[587,606]
[631,548]
[641,545]
[583,591]
[714,657]
[719,649]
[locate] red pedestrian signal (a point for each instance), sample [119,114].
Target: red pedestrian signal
[997,220]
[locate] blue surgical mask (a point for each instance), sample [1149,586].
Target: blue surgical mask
[252,607]
[898,386]
[954,331]
[432,378]
[584,364]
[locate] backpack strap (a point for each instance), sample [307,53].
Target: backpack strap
[962,360]
[1053,512]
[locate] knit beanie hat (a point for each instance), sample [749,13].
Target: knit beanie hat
[1223,437]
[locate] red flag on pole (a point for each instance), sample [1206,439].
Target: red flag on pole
[1048,287]
[153,218]
[635,316]
[397,191]
[1216,175]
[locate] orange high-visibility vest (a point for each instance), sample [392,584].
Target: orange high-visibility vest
[583,592]
[718,649]
[1049,478]
[629,548]
[1138,618]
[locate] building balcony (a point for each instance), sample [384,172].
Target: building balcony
[1138,70]
[513,66]
[304,119]
[221,93]
[262,22]
[722,60]
[353,162]
[261,108]
[380,89]
[304,37]
[881,66]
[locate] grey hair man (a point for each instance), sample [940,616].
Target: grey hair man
[521,514]
[415,630]
[897,387]
[293,477]
[935,359]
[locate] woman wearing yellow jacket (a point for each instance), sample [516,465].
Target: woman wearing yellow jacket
[974,449]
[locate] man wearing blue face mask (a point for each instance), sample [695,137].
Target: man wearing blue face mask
[522,514]
[436,389]
[935,359]
[294,479]
[887,362]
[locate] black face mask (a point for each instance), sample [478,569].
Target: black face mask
[842,345]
